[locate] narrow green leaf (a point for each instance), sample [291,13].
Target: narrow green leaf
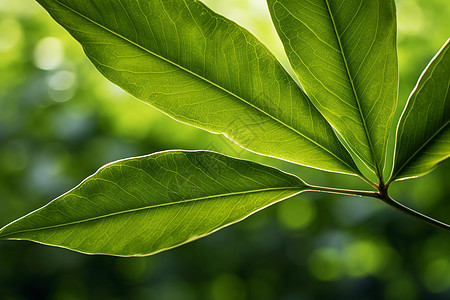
[204,70]
[344,54]
[144,205]
[423,134]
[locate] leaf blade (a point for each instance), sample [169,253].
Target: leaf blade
[206,71]
[423,132]
[339,51]
[127,209]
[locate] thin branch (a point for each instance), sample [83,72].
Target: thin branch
[383,196]
[409,211]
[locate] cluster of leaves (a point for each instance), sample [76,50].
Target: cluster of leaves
[204,70]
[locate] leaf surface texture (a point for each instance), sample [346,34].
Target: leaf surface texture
[204,70]
[344,54]
[144,205]
[423,134]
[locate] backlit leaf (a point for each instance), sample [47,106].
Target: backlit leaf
[144,205]
[344,54]
[204,70]
[423,134]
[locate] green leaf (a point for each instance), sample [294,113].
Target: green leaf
[423,134]
[344,54]
[144,205]
[204,70]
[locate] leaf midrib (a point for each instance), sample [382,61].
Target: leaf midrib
[208,81]
[366,131]
[150,207]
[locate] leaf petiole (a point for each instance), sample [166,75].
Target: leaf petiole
[370,182]
[383,196]
[409,211]
[313,188]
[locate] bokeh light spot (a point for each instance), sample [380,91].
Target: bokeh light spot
[62,80]
[133,269]
[297,213]
[437,275]
[324,264]
[48,53]
[61,86]
[402,288]
[362,258]
[10,34]
[227,286]
[14,156]
[410,19]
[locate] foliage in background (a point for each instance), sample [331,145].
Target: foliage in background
[326,252]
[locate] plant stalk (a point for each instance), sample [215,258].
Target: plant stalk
[383,196]
[409,211]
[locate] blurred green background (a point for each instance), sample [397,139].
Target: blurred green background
[60,121]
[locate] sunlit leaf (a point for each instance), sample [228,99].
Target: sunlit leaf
[144,205]
[344,54]
[423,134]
[204,70]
